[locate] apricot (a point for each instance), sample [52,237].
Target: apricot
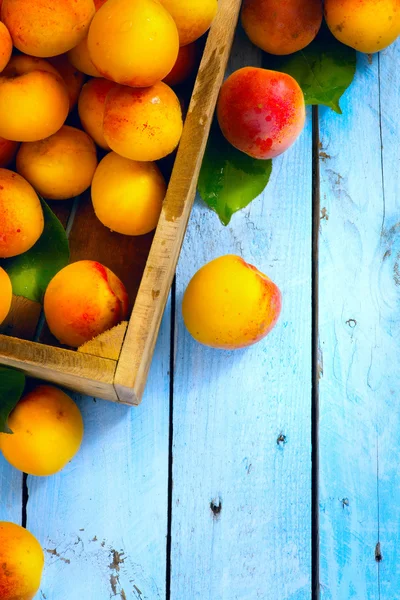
[22,561]
[33,100]
[80,58]
[61,166]
[281,27]
[91,108]
[127,195]
[261,112]
[5,294]
[192,17]
[142,124]
[5,46]
[21,215]
[49,27]
[72,77]
[133,43]
[184,66]
[365,25]
[230,304]
[83,300]
[8,150]
[47,431]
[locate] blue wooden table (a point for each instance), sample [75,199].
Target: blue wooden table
[208,490]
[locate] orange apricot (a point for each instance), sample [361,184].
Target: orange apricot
[5,294]
[192,17]
[72,77]
[80,58]
[8,150]
[91,108]
[5,46]
[142,124]
[133,43]
[184,66]
[21,215]
[83,300]
[49,27]
[127,195]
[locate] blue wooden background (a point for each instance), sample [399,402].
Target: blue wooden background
[205,491]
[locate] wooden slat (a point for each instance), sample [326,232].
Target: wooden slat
[142,332]
[241,507]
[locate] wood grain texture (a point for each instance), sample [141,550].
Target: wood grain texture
[135,358]
[241,508]
[23,318]
[359,341]
[107,344]
[103,520]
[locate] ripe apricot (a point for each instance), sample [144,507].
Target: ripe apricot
[281,27]
[133,43]
[22,561]
[33,100]
[47,431]
[261,112]
[127,195]
[5,294]
[61,166]
[230,304]
[91,105]
[8,150]
[21,215]
[192,17]
[365,25]
[72,77]
[184,66]
[142,124]
[83,300]
[49,27]
[5,46]
[80,58]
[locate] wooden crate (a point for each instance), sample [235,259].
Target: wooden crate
[115,365]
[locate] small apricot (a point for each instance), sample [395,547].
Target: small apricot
[8,150]
[83,300]
[49,27]
[5,294]
[91,105]
[22,561]
[365,25]
[184,66]
[61,166]
[127,195]
[79,57]
[72,77]
[133,43]
[142,124]
[281,27]
[21,215]
[5,46]
[192,17]
[230,304]
[261,112]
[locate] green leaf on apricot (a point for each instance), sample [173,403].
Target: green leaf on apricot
[12,383]
[324,69]
[229,179]
[31,272]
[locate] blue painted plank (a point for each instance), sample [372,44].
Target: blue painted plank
[231,409]
[10,492]
[103,520]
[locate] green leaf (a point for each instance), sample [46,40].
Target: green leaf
[31,272]
[324,69]
[229,180]
[12,383]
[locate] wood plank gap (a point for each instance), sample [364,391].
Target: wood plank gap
[316,214]
[170,442]
[25,498]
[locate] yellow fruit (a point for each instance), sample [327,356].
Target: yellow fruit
[366,25]
[192,17]
[127,195]
[230,304]
[21,563]
[5,295]
[47,432]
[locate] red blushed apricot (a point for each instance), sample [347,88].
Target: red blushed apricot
[261,112]
[49,27]
[7,151]
[83,300]
[281,27]
[142,124]
[91,108]
[184,66]
[73,78]
[5,46]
